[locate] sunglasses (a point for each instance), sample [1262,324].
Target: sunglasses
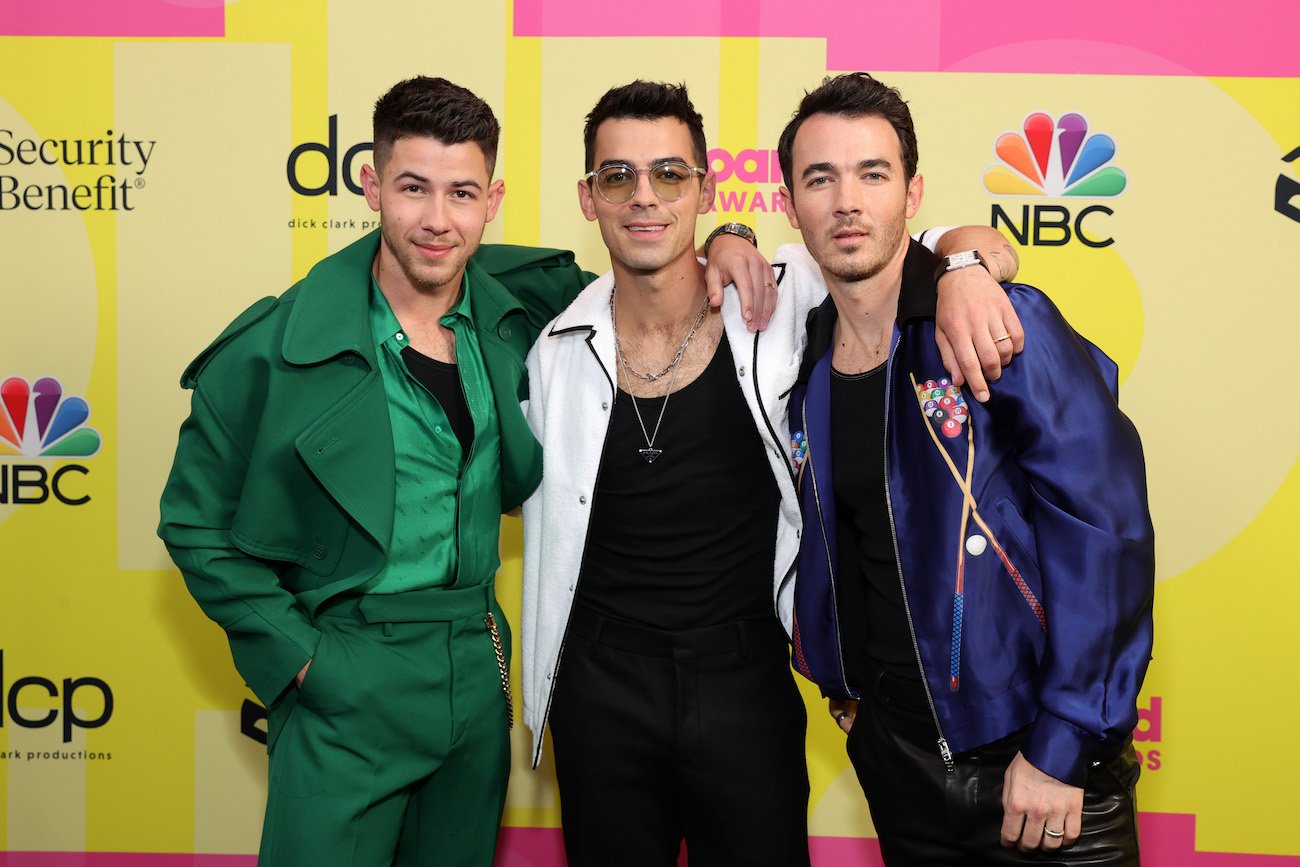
[616,183]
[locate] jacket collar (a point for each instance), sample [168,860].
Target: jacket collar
[589,310]
[330,314]
[917,299]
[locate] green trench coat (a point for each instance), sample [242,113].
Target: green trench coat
[281,494]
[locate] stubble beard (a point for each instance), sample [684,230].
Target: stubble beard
[853,267]
[423,276]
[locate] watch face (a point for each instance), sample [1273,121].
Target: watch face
[963,260]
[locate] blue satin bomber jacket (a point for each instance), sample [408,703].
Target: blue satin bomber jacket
[1030,600]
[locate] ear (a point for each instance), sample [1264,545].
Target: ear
[708,189]
[496,192]
[585,200]
[370,185]
[915,192]
[787,199]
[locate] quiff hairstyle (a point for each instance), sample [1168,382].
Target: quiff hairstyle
[434,108]
[646,100]
[853,94]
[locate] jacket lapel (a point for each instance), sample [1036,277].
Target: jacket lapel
[349,447]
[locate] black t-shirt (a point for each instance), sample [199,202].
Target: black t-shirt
[871,596]
[689,540]
[443,382]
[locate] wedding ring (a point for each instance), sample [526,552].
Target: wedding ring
[770,284]
[1002,338]
[1055,835]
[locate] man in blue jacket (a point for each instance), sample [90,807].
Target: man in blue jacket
[978,576]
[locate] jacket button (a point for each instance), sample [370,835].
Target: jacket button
[504,331]
[318,552]
[976,544]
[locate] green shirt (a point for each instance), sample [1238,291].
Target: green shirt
[447,505]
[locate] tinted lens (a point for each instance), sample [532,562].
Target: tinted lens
[616,183]
[669,180]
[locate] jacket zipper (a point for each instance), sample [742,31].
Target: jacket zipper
[944,752]
[830,564]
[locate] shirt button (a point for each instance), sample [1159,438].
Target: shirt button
[604,404]
[437,428]
[548,675]
[571,586]
[742,370]
[582,498]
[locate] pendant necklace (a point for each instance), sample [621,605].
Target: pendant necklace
[650,452]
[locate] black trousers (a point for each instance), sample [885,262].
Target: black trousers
[926,815]
[665,736]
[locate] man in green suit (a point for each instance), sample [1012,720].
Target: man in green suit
[336,498]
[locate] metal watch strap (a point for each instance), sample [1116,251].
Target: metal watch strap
[739,229]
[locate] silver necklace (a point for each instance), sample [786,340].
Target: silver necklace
[650,452]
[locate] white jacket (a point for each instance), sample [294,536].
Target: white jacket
[571,392]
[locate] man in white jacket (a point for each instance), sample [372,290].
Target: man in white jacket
[659,551]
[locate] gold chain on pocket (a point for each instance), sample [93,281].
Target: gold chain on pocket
[491,623]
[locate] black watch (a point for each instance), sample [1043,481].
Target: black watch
[731,229]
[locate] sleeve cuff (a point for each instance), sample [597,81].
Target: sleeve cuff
[1060,749]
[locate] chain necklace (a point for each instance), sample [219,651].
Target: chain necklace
[650,452]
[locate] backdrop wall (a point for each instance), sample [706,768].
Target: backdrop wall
[163,163]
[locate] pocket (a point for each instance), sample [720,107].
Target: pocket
[1021,548]
[310,688]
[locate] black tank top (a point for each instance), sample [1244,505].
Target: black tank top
[688,540]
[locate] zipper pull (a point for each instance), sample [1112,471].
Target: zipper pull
[946,755]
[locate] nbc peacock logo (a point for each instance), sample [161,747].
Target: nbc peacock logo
[1055,158]
[40,421]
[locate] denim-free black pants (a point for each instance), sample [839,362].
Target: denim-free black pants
[928,816]
[694,735]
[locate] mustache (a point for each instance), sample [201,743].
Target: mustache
[850,223]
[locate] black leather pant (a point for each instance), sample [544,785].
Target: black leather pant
[929,817]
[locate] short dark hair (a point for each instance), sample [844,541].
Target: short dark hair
[434,108]
[646,100]
[853,94]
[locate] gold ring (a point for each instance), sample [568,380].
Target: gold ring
[770,283]
[1002,338]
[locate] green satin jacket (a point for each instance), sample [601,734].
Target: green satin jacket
[281,493]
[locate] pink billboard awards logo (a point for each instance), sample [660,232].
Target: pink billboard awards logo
[748,181]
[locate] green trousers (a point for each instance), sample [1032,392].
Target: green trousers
[396,748]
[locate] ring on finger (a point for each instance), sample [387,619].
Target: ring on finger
[1055,835]
[770,284]
[1002,338]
